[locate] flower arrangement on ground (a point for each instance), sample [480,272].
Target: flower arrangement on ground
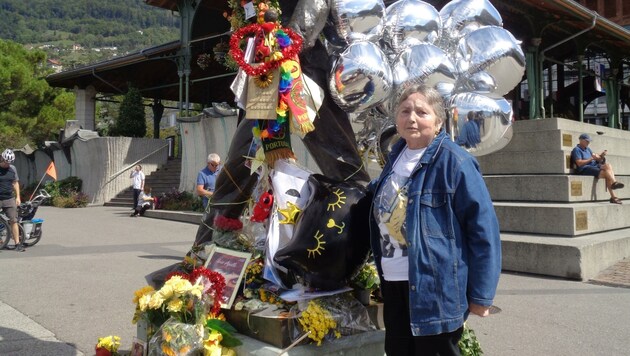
[187,312]
[318,322]
[107,346]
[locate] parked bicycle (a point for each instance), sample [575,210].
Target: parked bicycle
[29,227]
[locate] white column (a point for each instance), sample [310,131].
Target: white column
[85,107]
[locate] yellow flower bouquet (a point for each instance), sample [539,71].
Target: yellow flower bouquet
[332,317]
[107,346]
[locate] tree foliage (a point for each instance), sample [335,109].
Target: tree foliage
[131,120]
[126,24]
[31,112]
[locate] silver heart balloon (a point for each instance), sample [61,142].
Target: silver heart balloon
[408,22]
[422,63]
[478,123]
[495,51]
[361,77]
[459,17]
[355,20]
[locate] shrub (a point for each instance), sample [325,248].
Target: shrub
[176,200]
[66,193]
[73,200]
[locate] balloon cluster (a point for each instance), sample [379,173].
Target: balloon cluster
[462,51]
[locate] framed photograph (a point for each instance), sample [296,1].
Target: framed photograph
[231,264]
[138,348]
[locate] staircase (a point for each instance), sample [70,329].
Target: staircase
[554,222]
[164,179]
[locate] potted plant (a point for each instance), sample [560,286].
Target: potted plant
[365,282]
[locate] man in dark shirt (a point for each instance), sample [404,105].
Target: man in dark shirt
[8,187]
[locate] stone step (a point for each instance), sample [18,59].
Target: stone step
[555,123]
[580,258]
[572,219]
[552,188]
[542,162]
[534,141]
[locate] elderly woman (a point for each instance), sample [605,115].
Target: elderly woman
[434,233]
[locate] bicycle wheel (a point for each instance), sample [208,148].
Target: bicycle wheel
[5,235]
[9,243]
[36,235]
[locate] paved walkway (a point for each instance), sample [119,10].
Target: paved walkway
[617,275]
[77,284]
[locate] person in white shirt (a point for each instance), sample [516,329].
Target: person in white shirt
[138,183]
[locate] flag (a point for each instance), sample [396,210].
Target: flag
[51,171]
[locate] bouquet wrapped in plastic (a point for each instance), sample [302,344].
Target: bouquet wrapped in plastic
[331,317]
[176,338]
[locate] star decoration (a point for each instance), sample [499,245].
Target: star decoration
[290,213]
[258,161]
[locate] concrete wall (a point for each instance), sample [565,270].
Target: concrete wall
[96,161]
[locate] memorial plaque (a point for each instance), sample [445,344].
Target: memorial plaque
[576,188]
[568,161]
[567,140]
[581,220]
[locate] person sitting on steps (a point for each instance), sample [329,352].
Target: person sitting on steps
[593,164]
[145,200]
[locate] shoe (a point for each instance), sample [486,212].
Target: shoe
[19,248]
[615,201]
[617,185]
[133,215]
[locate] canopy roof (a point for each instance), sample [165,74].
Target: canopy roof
[155,72]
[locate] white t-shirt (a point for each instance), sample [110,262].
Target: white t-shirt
[138,178]
[390,212]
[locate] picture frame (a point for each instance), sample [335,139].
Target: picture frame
[138,347]
[231,265]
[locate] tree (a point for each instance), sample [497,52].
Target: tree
[131,120]
[31,112]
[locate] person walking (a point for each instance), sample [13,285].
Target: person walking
[10,194]
[434,233]
[207,178]
[593,164]
[137,177]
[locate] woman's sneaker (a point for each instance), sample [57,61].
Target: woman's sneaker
[19,248]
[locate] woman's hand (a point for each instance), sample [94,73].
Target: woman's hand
[479,310]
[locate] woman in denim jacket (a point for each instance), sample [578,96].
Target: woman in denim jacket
[434,233]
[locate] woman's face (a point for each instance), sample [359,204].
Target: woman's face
[416,121]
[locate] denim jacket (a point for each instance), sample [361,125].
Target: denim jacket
[452,234]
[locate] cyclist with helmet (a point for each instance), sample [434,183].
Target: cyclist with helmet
[10,194]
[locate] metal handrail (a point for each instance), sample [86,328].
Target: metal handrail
[117,174]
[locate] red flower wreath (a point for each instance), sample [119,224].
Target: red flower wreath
[236,52]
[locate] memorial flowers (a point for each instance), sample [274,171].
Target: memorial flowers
[318,322]
[108,345]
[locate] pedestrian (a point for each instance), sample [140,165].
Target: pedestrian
[10,194]
[434,233]
[207,178]
[138,183]
[145,201]
[593,164]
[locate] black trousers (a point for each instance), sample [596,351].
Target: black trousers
[136,194]
[398,337]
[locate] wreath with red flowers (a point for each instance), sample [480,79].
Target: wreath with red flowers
[263,68]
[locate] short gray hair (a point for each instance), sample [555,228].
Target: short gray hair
[433,97]
[213,157]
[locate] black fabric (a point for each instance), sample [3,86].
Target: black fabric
[398,337]
[332,145]
[331,239]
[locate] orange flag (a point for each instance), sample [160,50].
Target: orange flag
[51,171]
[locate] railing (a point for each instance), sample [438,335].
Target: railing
[125,169]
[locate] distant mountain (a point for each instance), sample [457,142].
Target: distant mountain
[77,32]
